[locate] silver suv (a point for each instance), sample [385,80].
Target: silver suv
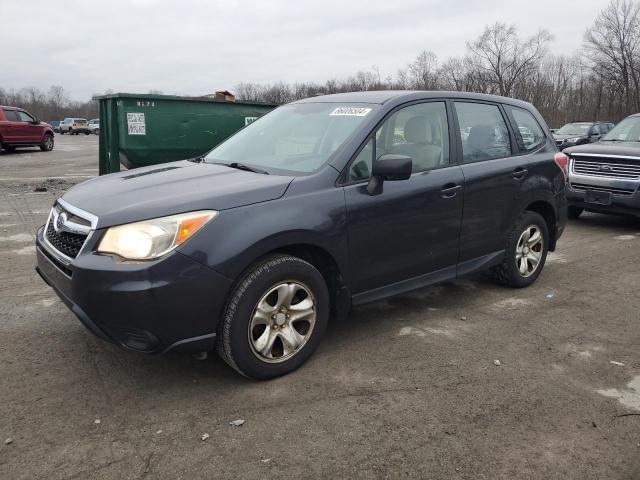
[74,126]
[605,176]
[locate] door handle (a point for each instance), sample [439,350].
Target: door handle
[519,173]
[449,190]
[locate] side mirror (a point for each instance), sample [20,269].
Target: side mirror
[390,168]
[35,122]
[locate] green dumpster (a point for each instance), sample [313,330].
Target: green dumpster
[138,130]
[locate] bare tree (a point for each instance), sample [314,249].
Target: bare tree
[613,45]
[504,58]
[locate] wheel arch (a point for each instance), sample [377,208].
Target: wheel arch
[546,211]
[323,260]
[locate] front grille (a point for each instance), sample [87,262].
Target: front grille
[67,243]
[623,192]
[607,167]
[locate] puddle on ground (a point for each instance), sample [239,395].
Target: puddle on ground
[555,257]
[511,304]
[629,397]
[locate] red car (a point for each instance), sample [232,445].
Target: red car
[19,128]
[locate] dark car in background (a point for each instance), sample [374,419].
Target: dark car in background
[18,128]
[579,133]
[318,205]
[55,125]
[605,176]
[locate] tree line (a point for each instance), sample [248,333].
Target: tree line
[598,82]
[53,104]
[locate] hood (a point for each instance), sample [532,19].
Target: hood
[627,149]
[171,188]
[564,137]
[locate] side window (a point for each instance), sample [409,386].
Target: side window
[595,130]
[483,132]
[419,131]
[25,117]
[529,134]
[11,115]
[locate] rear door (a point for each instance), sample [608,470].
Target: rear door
[11,126]
[494,171]
[408,234]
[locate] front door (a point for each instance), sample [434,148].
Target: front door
[28,132]
[408,234]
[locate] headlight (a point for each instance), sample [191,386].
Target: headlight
[153,238]
[573,140]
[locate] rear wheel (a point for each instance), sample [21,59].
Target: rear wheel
[70,131]
[574,212]
[275,318]
[47,143]
[87,132]
[525,253]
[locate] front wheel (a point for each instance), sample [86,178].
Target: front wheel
[275,318]
[525,252]
[47,143]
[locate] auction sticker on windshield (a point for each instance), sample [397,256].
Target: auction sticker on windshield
[351,111]
[136,124]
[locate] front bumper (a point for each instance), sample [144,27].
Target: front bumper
[170,304]
[624,194]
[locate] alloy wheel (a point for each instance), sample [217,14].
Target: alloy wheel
[529,250]
[282,322]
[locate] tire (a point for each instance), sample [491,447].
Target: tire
[8,148]
[87,132]
[70,131]
[509,272]
[574,212]
[47,143]
[269,283]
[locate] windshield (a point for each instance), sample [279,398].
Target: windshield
[575,129]
[628,130]
[296,138]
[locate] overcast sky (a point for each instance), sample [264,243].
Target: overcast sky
[195,47]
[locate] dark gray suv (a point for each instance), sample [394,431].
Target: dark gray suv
[318,205]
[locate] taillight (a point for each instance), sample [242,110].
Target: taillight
[563,162]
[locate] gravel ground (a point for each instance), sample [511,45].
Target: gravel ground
[405,388]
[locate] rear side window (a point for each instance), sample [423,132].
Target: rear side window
[11,115]
[483,132]
[529,134]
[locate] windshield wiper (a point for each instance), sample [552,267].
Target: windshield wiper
[242,166]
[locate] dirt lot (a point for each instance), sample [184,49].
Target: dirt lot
[404,388]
